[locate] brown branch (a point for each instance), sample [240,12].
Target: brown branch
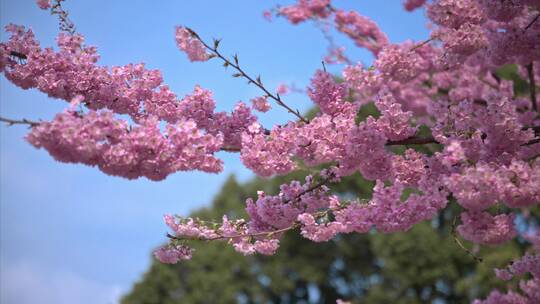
[20,56]
[533,21]
[24,121]
[421,44]
[533,157]
[222,237]
[532,85]
[241,73]
[230,149]
[413,141]
[536,129]
[496,77]
[532,142]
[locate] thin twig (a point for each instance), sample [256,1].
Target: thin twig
[533,157]
[331,43]
[458,242]
[532,142]
[413,141]
[20,56]
[64,22]
[230,149]
[24,121]
[536,129]
[257,82]
[533,21]
[422,43]
[295,225]
[320,184]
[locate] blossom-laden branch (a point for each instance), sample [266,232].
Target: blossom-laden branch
[533,21]
[65,24]
[247,235]
[241,73]
[532,142]
[298,196]
[408,141]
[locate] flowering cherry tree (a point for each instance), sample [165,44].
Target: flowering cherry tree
[445,94]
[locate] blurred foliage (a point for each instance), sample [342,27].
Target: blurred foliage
[511,72]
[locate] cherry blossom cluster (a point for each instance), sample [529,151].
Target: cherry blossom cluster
[529,292]
[306,9]
[261,104]
[194,131]
[270,216]
[359,28]
[190,45]
[44,4]
[445,94]
[99,139]
[411,5]
[308,206]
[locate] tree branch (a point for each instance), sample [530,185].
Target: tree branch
[421,44]
[533,21]
[408,141]
[257,82]
[413,141]
[532,85]
[230,149]
[458,242]
[64,23]
[533,157]
[24,121]
[536,129]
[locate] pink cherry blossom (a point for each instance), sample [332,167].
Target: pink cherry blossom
[172,255]
[305,9]
[190,45]
[44,4]
[260,104]
[483,228]
[411,5]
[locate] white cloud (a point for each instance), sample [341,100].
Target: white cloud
[25,283]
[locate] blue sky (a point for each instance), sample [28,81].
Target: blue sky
[69,233]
